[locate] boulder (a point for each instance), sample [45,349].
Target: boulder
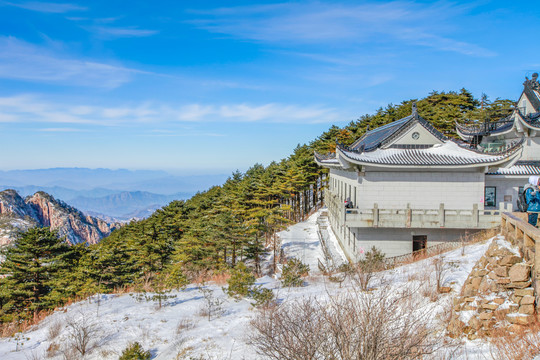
[501,271]
[510,260]
[518,285]
[474,323]
[526,309]
[519,272]
[527,300]
[490,306]
[524,292]
[519,319]
[445,289]
[499,301]
[475,282]
[485,316]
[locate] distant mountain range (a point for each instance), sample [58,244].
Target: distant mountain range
[126,204]
[41,209]
[109,194]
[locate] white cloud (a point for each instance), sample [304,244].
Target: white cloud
[61,130]
[45,7]
[118,32]
[32,109]
[315,23]
[24,61]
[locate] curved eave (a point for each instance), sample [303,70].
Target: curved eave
[465,136]
[467,133]
[508,159]
[525,123]
[328,162]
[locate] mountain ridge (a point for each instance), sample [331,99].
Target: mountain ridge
[41,209]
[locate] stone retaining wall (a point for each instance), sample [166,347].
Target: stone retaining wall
[516,229]
[497,293]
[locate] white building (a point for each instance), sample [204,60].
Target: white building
[412,187]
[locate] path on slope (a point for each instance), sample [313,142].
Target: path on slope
[302,241]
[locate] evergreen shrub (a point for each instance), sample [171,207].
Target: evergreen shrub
[135,352]
[240,282]
[293,273]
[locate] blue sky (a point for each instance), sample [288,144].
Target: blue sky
[214,86]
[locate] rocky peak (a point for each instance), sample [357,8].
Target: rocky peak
[45,210]
[12,204]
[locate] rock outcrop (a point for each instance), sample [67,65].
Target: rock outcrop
[496,294]
[41,209]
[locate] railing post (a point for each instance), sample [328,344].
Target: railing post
[375,215]
[441,215]
[475,215]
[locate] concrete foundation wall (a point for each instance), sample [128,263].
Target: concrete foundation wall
[395,242]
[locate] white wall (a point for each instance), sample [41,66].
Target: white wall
[424,138]
[531,148]
[422,190]
[507,185]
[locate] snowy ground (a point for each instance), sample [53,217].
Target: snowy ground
[178,326]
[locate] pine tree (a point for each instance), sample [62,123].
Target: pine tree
[31,267]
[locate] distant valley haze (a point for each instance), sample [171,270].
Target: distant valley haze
[120,194]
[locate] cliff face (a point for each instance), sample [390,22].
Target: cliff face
[41,209]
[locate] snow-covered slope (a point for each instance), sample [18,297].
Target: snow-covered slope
[178,326]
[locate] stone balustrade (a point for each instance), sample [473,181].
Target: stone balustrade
[422,218]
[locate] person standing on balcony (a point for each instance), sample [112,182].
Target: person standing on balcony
[532,196]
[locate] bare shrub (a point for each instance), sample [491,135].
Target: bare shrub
[83,335]
[53,349]
[440,270]
[290,331]
[519,345]
[54,330]
[213,306]
[353,325]
[184,324]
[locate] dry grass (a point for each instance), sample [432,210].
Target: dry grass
[522,344]
[11,328]
[184,324]
[54,330]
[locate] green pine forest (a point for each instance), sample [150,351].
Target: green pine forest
[210,233]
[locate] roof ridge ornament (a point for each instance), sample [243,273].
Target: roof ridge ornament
[532,83]
[414,110]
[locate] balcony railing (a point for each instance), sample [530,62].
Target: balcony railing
[415,218]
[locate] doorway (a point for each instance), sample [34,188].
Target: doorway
[419,242]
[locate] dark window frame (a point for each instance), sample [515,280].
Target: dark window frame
[494,204]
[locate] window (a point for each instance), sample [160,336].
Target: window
[490,197]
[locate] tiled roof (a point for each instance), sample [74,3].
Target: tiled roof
[372,139]
[520,168]
[532,120]
[531,91]
[328,159]
[447,154]
[387,133]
